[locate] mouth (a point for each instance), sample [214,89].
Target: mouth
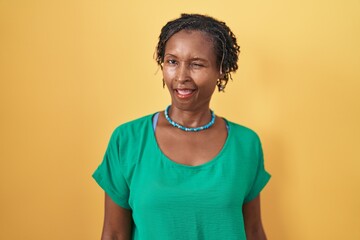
[184,93]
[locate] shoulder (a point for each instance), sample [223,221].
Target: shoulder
[137,122]
[129,132]
[246,140]
[134,126]
[128,138]
[243,131]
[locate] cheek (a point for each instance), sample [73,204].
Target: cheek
[211,88]
[168,74]
[167,77]
[210,84]
[209,79]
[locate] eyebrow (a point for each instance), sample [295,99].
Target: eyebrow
[199,59]
[169,54]
[192,59]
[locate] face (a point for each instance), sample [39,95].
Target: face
[190,70]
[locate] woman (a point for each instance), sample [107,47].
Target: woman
[185,173]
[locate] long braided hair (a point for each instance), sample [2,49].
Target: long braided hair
[225,45]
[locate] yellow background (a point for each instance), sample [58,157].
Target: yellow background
[71,71]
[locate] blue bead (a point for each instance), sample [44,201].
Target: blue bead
[175,124]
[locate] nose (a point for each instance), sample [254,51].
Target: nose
[182,73]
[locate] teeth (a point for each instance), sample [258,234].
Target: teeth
[184,91]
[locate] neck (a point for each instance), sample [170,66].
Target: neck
[190,118]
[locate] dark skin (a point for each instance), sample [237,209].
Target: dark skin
[190,73]
[205,145]
[117,221]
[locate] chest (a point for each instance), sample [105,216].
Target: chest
[157,181]
[191,149]
[179,189]
[189,198]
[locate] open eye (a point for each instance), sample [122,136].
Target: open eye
[171,61]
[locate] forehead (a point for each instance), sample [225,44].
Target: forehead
[190,41]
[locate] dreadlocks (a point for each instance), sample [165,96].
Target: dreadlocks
[226,47]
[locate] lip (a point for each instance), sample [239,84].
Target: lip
[184,92]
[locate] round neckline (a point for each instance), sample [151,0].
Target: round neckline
[184,166]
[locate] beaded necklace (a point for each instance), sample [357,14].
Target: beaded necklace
[175,124]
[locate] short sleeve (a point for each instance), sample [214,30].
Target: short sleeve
[261,178]
[109,174]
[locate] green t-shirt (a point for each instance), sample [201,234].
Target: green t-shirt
[171,201]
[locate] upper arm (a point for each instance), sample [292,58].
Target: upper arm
[252,220]
[117,221]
